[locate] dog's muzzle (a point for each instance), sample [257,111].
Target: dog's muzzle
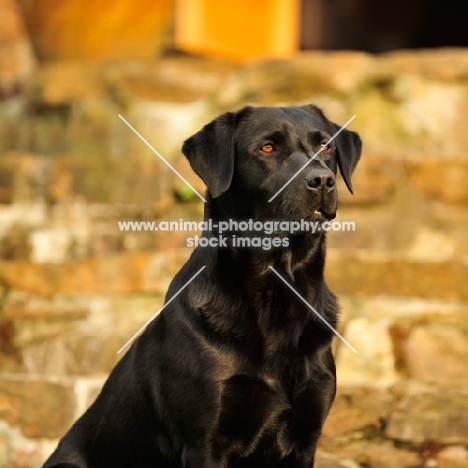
[321,184]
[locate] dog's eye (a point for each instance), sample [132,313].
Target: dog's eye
[268,148]
[324,147]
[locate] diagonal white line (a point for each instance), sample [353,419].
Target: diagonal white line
[311,308]
[158,154]
[311,159]
[162,308]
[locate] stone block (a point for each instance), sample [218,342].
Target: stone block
[378,122]
[372,274]
[429,413]
[438,352]
[446,64]
[357,410]
[51,245]
[29,453]
[142,179]
[374,180]
[453,457]
[73,354]
[17,451]
[440,179]
[373,453]
[374,361]
[167,79]
[121,273]
[297,79]
[329,461]
[431,114]
[20,306]
[385,230]
[16,55]
[174,122]
[375,228]
[40,408]
[431,245]
[454,219]
[63,82]
[405,310]
[70,335]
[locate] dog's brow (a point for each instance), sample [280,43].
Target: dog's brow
[315,137]
[276,136]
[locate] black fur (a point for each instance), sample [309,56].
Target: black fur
[236,372]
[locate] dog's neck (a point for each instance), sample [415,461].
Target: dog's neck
[304,254]
[250,286]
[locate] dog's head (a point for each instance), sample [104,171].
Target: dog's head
[258,154]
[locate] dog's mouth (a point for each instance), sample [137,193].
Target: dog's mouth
[320,214]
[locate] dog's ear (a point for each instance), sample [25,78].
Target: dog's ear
[211,153]
[349,146]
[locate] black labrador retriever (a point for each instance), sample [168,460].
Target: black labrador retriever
[237,371]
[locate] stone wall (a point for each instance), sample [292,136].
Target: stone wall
[73,288]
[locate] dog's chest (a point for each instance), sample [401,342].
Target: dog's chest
[286,376]
[268,411]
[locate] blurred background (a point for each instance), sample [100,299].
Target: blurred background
[74,288]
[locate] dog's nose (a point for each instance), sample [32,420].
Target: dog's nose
[320,179]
